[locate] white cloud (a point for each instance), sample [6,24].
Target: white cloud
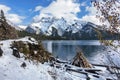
[38,8]
[92,10]
[91,16]
[83,4]
[60,8]
[14,18]
[4,8]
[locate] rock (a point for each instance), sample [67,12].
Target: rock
[1,52]
[52,58]
[16,53]
[23,65]
[29,38]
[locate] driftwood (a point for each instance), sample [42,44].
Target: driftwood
[106,66]
[111,69]
[80,61]
[85,73]
[93,70]
[60,61]
[1,52]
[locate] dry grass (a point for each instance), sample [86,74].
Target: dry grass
[34,52]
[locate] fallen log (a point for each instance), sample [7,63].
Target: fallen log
[93,71]
[83,72]
[106,66]
[61,61]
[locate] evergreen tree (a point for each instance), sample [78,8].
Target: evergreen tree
[2,16]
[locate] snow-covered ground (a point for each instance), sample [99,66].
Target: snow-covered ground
[109,53]
[10,67]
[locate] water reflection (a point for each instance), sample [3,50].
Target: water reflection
[67,49]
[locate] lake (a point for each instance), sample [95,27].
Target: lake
[66,49]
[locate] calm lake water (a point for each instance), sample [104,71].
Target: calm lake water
[66,50]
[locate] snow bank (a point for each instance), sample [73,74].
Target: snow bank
[10,67]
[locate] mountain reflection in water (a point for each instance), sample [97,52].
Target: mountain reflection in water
[66,50]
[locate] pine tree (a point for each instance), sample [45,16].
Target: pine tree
[2,16]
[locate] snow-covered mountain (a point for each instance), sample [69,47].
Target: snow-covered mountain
[46,25]
[23,27]
[77,29]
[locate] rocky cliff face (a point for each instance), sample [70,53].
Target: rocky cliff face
[6,30]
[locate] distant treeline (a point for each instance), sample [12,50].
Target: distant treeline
[104,36]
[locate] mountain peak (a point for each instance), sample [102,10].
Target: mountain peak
[46,23]
[55,27]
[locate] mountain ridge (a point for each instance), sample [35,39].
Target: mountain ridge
[61,28]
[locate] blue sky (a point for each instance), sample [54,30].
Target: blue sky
[23,7]
[22,12]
